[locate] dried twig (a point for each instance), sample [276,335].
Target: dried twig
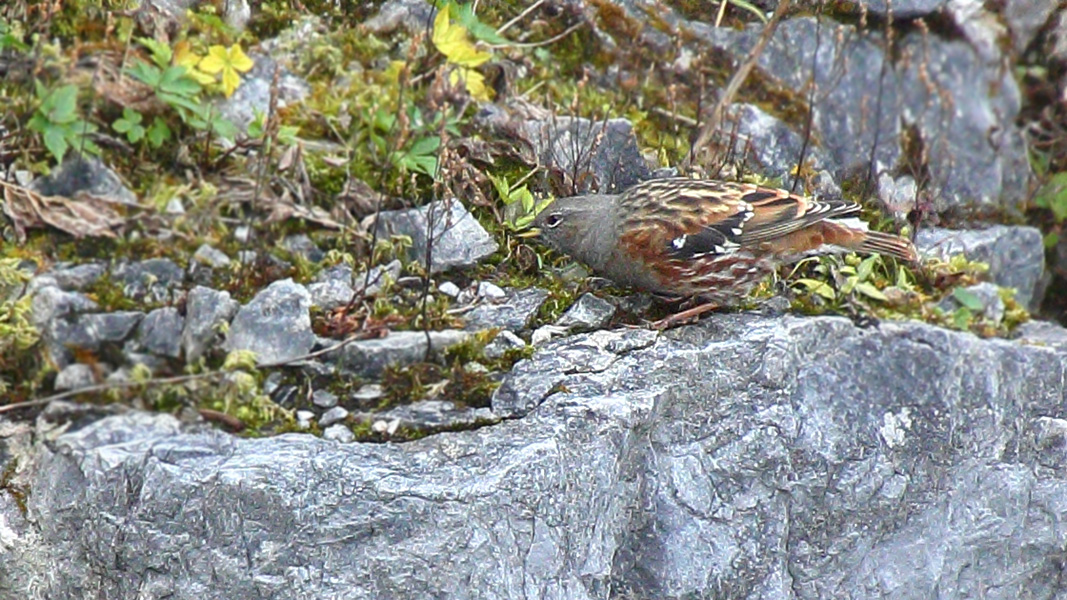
[717,113]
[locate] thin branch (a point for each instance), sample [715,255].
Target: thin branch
[550,40]
[811,101]
[521,16]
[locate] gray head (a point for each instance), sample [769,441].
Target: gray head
[581,226]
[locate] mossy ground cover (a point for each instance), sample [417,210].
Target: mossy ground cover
[390,121]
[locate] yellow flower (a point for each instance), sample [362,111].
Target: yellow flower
[184,56]
[229,63]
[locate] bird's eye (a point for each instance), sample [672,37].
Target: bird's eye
[553,220]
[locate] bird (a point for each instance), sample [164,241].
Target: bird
[709,240]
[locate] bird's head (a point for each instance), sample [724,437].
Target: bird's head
[581,226]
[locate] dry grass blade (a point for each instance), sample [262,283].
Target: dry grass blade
[83,216]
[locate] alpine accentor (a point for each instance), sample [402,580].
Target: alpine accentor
[708,239]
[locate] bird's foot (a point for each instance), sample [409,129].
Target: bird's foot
[681,318]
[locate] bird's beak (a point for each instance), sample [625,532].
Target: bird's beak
[529,233]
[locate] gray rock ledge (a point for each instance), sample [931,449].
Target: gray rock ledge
[744,457]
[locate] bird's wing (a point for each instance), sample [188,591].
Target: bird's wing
[685,219]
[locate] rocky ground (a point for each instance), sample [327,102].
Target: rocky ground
[205,339]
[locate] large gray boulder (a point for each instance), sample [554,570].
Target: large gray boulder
[744,457]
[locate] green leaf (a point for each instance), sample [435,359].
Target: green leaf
[961,318]
[426,145]
[968,299]
[224,128]
[1051,239]
[868,289]
[122,125]
[427,165]
[383,120]
[190,105]
[865,268]
[62,105]
[56,142]
[161,53]
[158,133]
[524,196]
[464,13]
[818,287]
[146,74]
[131,115]
[176,81]
[849,285]
[500,183]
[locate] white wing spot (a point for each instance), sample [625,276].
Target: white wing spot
[679,242]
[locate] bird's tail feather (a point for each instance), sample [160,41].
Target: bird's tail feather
[876,242]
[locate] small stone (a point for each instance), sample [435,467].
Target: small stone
[459,240]
[368,358]
[303,419]
[271,383]
[331,293]
[449,289]
[898,194]
[174,207]
[334,415]
[545,333]
[389,427]
[242,234]
[504,341]
[160,332]
[490,291]
[74,377]
[515,313]
[1015,254]
[589,312]
[476,368]
[371,392]
[77,277]
[324,399]
[156,280]
[205,312]
[247,257]
[276,324]
[301,245]
[83,173]
[339,433]
[211,256]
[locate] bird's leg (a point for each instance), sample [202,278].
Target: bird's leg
[684,316]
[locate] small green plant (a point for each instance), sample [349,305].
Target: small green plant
[17,332]
[854,277]
[520,206]
[11,38]
[1053,196]
[130,125]
[181,87]
[58,122]
[257,129]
